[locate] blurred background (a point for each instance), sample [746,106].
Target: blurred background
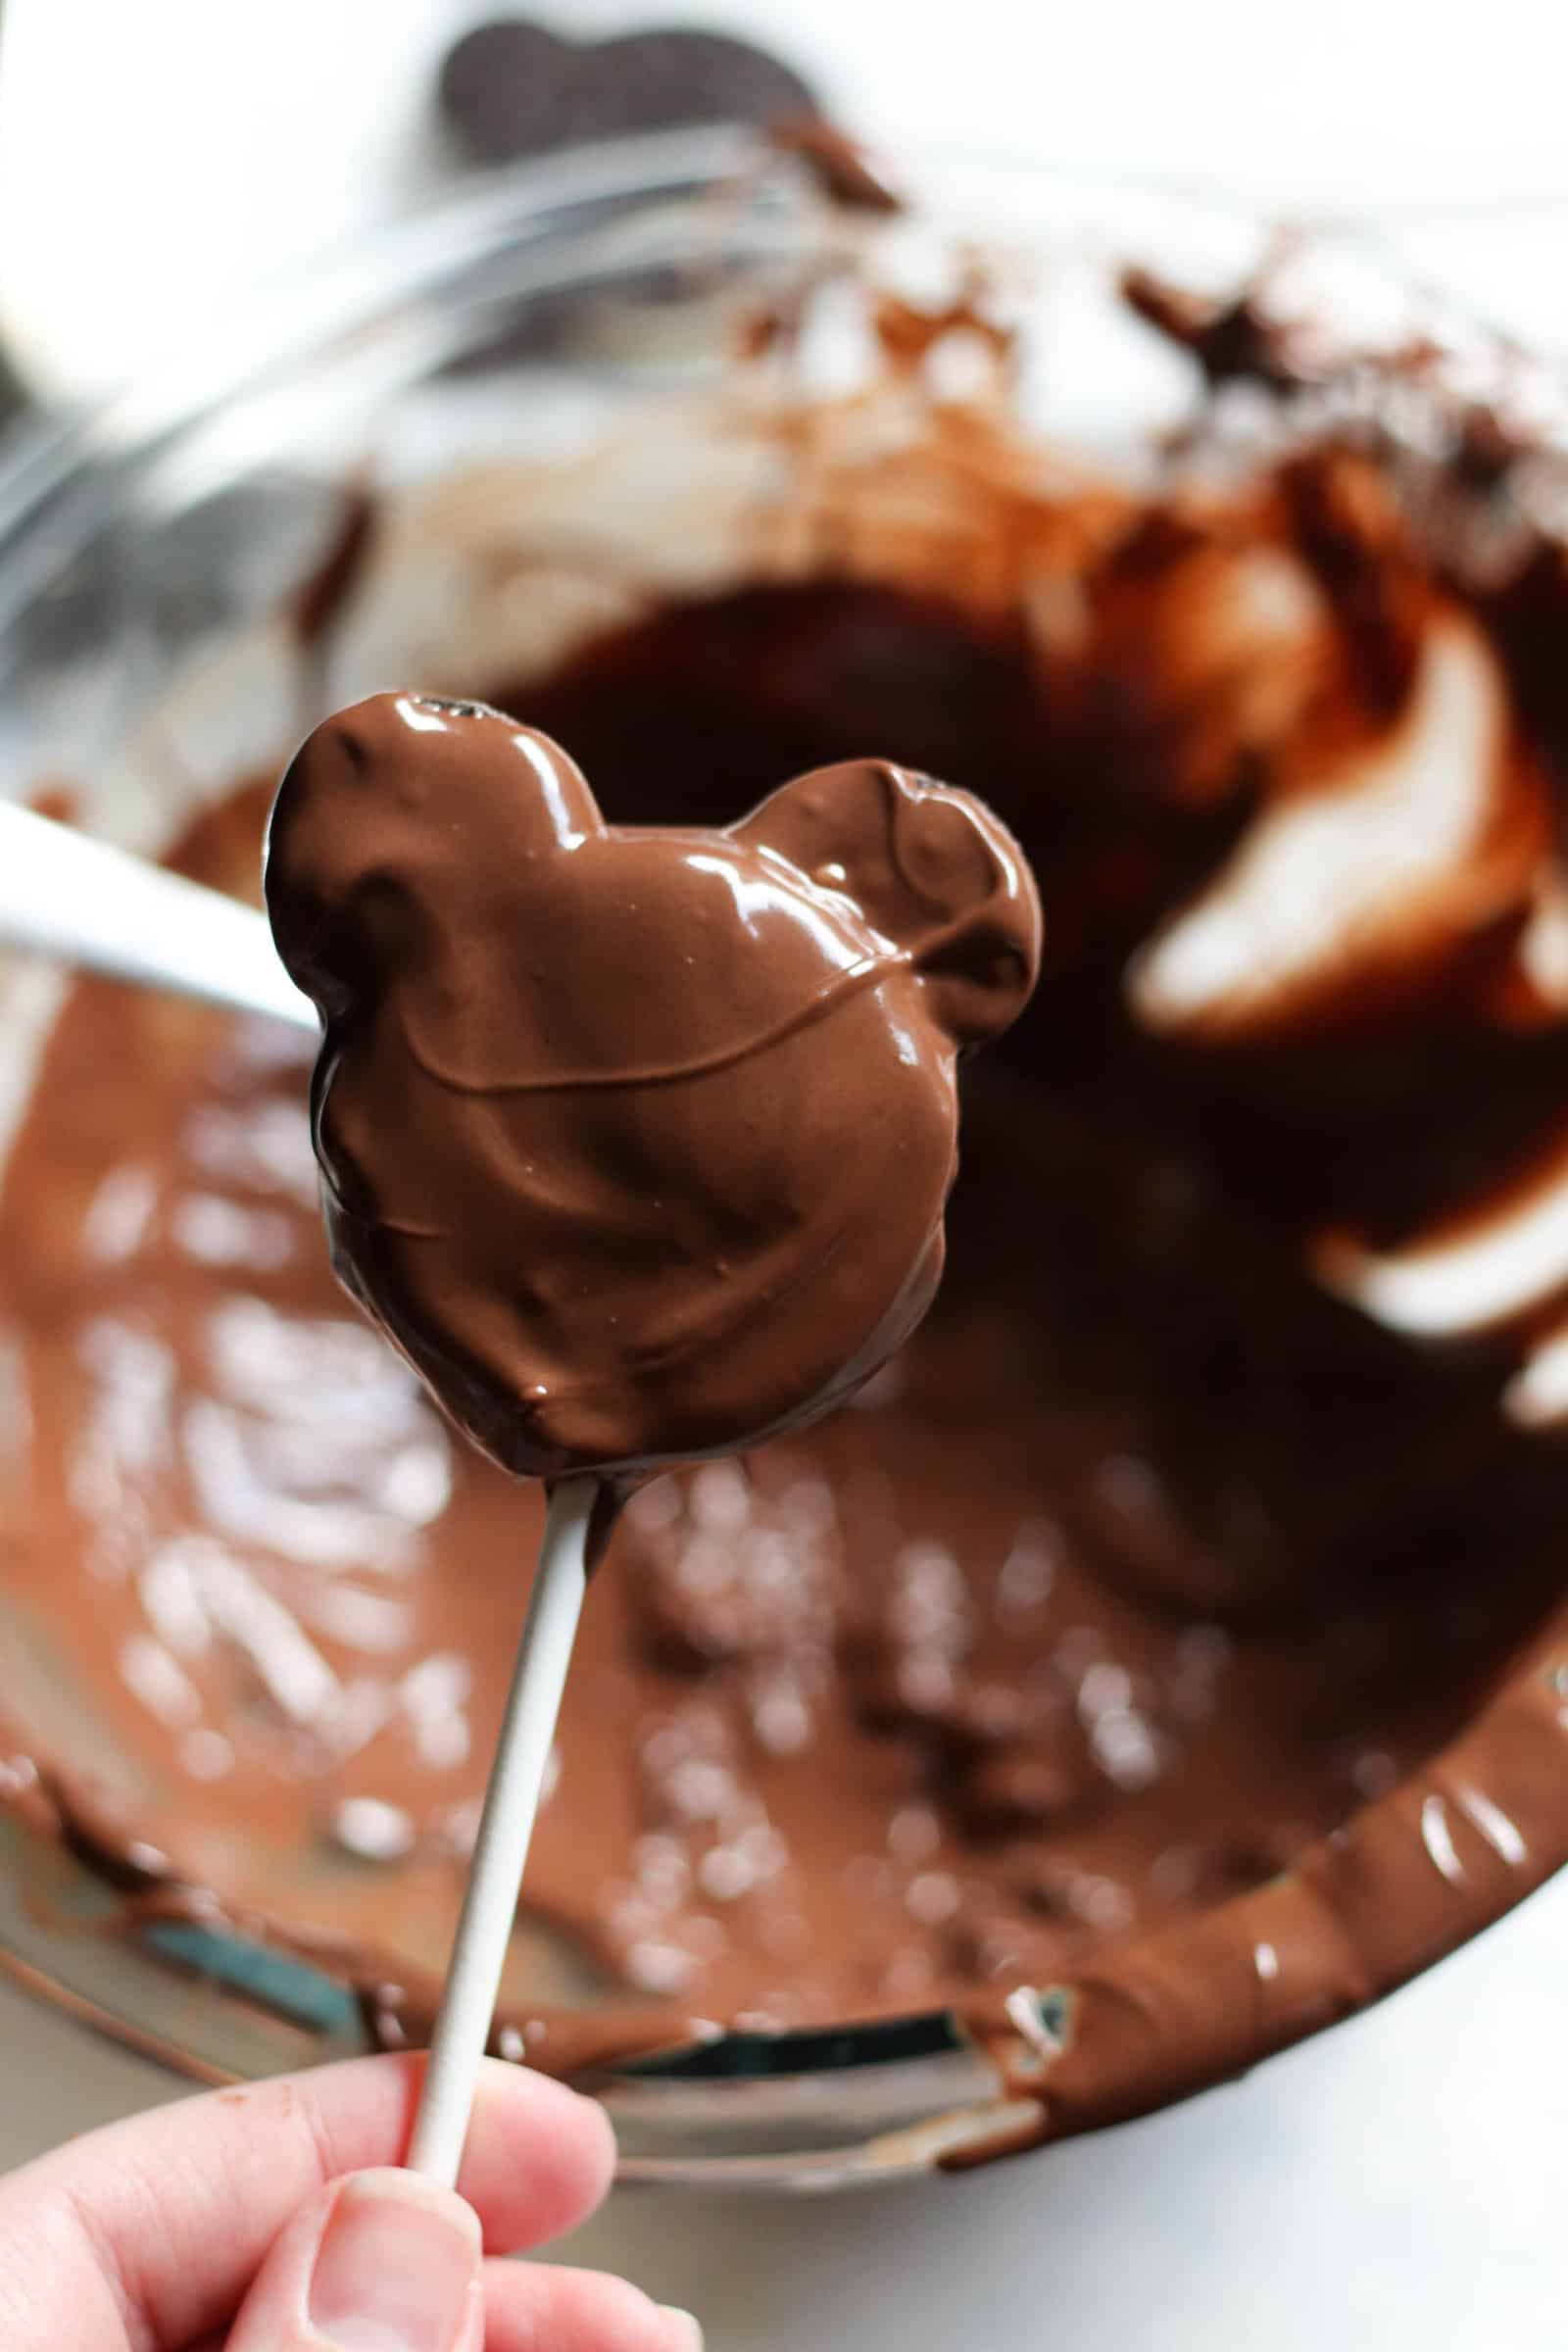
[157,158]
[1394,2183]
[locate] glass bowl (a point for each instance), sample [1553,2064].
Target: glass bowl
[149,556]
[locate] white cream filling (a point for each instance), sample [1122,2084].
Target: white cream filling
[1334,873]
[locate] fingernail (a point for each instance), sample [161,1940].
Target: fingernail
[685,2334]
[396,2268]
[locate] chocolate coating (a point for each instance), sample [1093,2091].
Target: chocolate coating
[637,1139]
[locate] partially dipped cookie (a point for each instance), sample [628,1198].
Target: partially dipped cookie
[636,1140]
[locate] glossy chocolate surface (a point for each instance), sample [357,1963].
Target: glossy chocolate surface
[636,1139]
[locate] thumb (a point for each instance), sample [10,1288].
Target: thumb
[380,2262]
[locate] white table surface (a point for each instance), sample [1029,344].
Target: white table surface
[1398,2184]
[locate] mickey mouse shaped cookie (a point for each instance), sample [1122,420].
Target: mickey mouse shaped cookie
[637,1139]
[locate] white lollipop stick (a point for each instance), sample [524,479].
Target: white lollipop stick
[505,1827]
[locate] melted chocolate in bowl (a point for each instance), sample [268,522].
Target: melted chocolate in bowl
[1171,1629]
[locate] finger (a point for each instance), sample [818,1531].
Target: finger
[382,2259]
[530,2304]
[527,2306]
[162,2222]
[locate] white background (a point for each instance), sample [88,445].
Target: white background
[156,154]
[1401,2183]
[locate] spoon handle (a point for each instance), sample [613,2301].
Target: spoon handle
[65,895]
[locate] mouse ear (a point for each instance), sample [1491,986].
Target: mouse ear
[385,816]
[931,869]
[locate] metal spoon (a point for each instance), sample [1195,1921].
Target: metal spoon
[64,895]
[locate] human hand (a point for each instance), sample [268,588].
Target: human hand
[268,2218]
